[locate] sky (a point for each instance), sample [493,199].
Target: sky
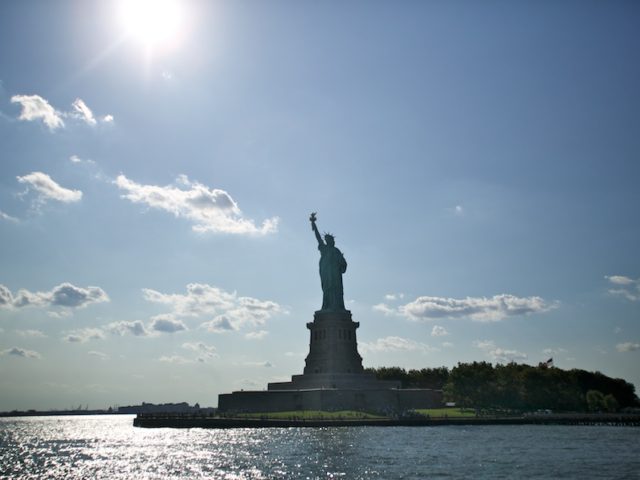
[476,161]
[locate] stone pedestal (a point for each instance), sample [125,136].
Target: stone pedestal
[390,400]
[333,348]
[333,378]
[333,360]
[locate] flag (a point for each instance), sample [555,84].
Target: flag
[547,364]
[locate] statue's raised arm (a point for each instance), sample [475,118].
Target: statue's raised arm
[332,266]
[312,219]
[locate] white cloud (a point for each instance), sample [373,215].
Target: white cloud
[178,359]
[385,309]
[31,333]
[393,344]
[220,324]
[204,351]
[83,112]
[166,323]
[48,189]
[498,354]
[200,299]
[100,355]
[210,210]
[6,297]
[481,309]
[7,217]
[64,295]
[20,352]
[199,347]
[163,323]
[505,356]
[628,347]
[438,331]
[628,294]
[620,280]
[295,354]
[554,351]
[258,364]
[121,328]
[230,311]
[625,286]
[447,344]
[34,107]
[259,335]
[84,335]
[393,296]
[484,344]
[77,160]
[253,312]
[68,295]
[458,210]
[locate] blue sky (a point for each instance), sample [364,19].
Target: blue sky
[477,162]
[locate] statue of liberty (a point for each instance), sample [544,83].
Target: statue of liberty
[332,266]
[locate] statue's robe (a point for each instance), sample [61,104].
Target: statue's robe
[332,266]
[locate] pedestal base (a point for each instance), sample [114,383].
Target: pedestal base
[333,378]
[381,400]
[351,381]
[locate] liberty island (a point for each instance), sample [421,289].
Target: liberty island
[335,385]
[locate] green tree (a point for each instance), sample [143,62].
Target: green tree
[619,388]
[428,378]
[390,373]
[472,385]
[595,400]
[434,378]
[509,386]
[610,403]
[536,388]
[518,386]
[563,391]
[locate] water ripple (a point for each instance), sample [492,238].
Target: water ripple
[110,447]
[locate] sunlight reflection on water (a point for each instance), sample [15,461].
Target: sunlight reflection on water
[110,447]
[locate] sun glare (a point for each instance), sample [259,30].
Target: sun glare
[154,23]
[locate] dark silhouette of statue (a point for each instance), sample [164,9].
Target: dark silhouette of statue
[332,266]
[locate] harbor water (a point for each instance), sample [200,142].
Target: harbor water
[109,447]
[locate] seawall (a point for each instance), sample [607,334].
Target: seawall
[184,421]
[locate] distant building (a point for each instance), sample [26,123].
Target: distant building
[182,407]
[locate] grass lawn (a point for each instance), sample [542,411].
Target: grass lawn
[311,415]
[449,412]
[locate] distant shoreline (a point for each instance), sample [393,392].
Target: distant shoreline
[50,413]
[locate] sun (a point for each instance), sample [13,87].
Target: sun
[153,23]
